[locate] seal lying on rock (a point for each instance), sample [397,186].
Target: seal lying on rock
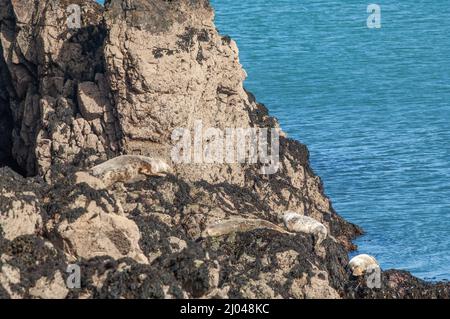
[239,225]
[361,263]
[304,224]
[129,168]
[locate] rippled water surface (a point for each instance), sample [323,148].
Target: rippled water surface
[372,105]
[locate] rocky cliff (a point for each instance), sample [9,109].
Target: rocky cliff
[122,82]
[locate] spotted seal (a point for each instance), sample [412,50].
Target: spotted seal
[129,168]
[303,224]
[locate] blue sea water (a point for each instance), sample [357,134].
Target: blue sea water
[373,106]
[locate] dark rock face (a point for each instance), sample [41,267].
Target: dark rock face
[398,285]
[5,133]
[132,73]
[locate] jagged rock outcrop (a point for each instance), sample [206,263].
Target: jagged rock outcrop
[123,83]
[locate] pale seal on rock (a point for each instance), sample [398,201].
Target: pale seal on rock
[303,224]
[361,263]
[239,225]
[129,168]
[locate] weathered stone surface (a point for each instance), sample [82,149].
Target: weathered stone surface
[21,212]
[47,64]
[88,222]
[31,267]
[91,101]
[97,233]
[50,288]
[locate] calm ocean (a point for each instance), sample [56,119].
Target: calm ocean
[373,106]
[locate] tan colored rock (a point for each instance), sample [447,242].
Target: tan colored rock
[20,210]
[214,275]
[184,71]
[177,244]
[256,289]
[45,102]
[22,10]
[54,288]
[98,233]
[297,287]
[287,259]
[319,287]
[10,276]
[22,218]
[91,100]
